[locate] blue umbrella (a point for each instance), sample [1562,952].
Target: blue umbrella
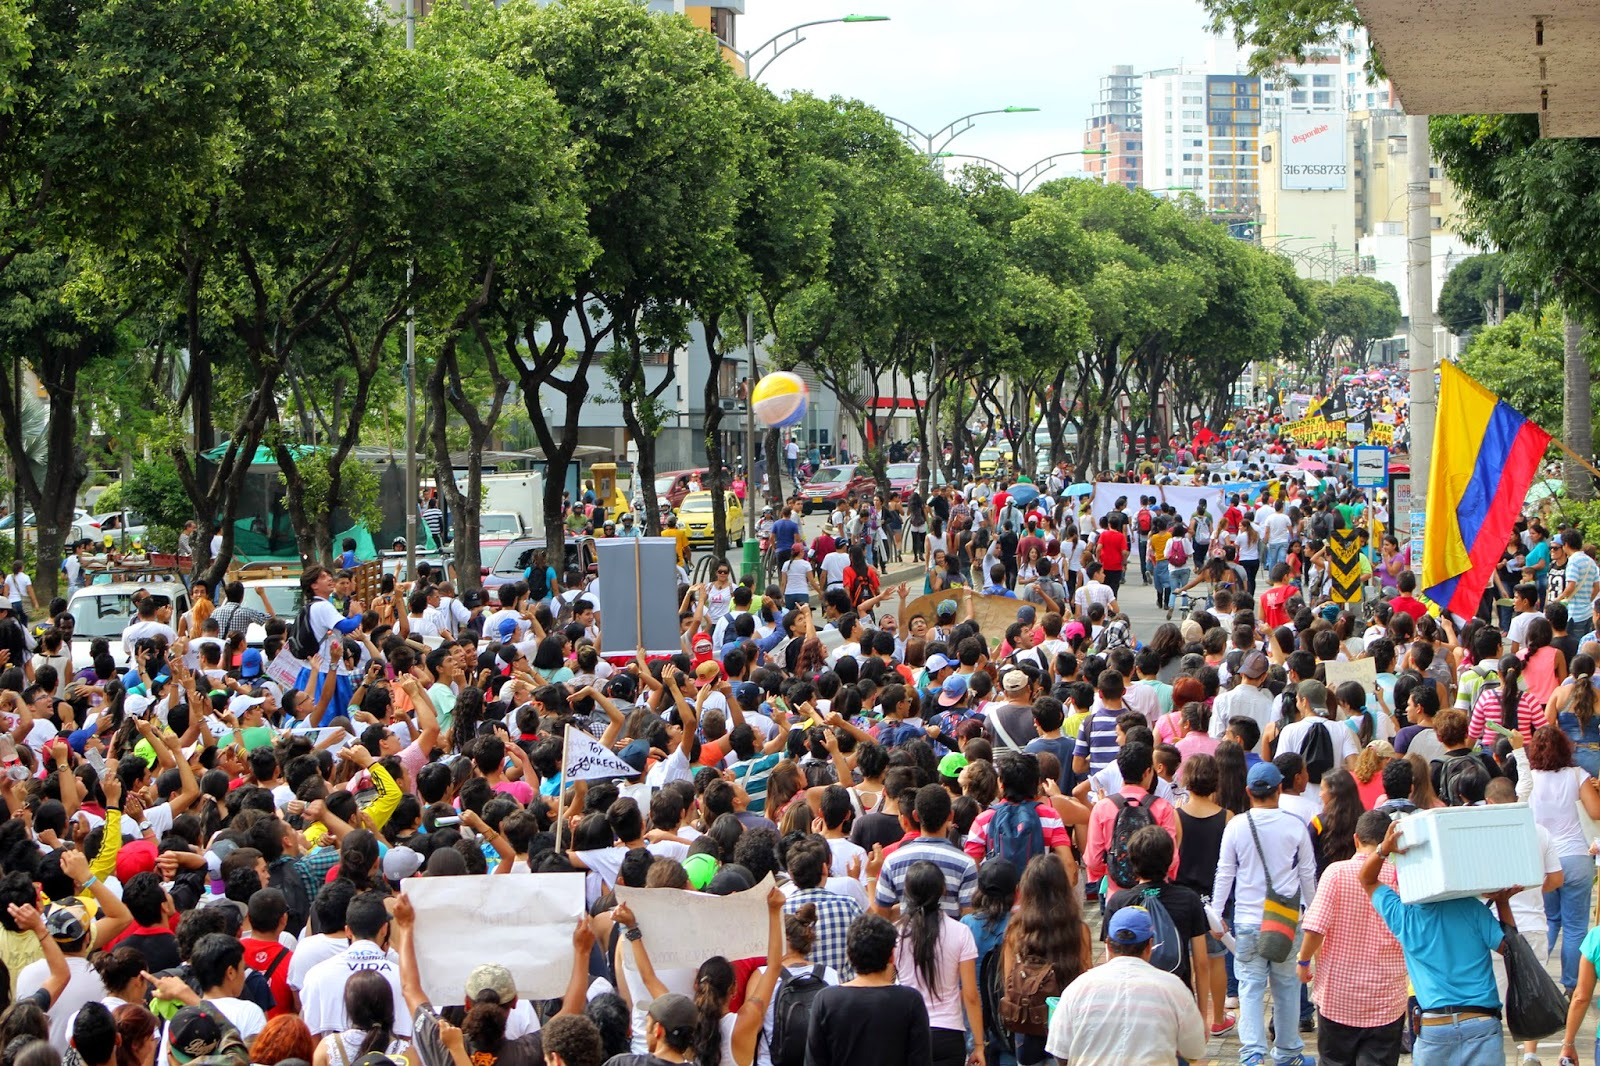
[1024,493]
[1082,488]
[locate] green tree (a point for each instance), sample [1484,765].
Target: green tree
[1356,312]
[51,317]
[1476,292]
[1520,361]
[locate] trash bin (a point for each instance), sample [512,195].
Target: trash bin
[752,559]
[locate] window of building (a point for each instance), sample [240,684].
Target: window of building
[722,23]
[1321,81]
[1435,198]
[1322,98]
[1299,96]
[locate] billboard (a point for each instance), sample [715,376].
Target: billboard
[1315,153]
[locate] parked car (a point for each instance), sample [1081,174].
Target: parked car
[673,485]
[903,479]
[499,528]
[992,460]
[833,484]
[512,562]
[106,610]
[124,526]
[696,517]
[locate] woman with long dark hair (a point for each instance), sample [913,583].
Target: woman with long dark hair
[937,956]
[991,915]
[1572,708]
[1333,831]
[369,1005]
[1230,777]
[1048,925]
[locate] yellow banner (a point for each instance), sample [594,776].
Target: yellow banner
[1380,433]
[1311,429]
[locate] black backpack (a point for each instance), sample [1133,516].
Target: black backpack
[1317,750]
[303,644]
[791,1015]
[991,989]
[1450,768]
[1132,816]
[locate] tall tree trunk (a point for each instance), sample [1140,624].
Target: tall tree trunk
[1577,410]
[777,466]
[712,428]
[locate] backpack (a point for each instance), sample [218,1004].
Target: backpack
[1166,949]
[1132,816]
[1177,554]
[302,643]
[1317,751]
[791,1015]
[538,582]
[1450,768]
[1030,983]
[1144,520]
[991,990]
[1015,834]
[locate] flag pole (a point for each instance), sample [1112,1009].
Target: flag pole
[561,792]
[1574,456]
[638,592]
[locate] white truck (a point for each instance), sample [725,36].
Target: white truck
[520,493]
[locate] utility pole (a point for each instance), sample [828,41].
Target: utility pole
[1419,282]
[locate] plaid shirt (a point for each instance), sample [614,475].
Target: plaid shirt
[1360,977]
[313,868]
[834,915]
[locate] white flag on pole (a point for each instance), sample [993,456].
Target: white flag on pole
[586,759]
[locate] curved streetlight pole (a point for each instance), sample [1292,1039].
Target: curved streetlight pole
[950,131]
[1029,174]
[787,39]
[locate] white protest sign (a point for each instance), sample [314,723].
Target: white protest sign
[682,928]
[1363,672]
[586,759]
[524,922]
[285,669]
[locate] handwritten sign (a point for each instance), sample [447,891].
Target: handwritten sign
[683,928]
[1363,672]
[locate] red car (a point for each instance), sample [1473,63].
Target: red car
[903,479]
[833,484]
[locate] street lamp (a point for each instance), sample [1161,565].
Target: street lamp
[1028,174]
[779,43]
[787,39]
[949,131]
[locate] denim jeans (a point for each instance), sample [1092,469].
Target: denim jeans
[1273,554]
[1566,912]
[1163,582]
[1475,1042]
[1256,974]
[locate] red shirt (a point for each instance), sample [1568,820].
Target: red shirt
[1232,517]
[1113,549]
[1410,605]
[1272,601]
[271,959]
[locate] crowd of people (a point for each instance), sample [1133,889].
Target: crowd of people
[1063,838]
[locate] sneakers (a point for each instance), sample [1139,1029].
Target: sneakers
[1228,1025]
[1530,1059]
[1299,1060]
[1231,1003]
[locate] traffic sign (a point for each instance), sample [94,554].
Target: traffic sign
[1372,467]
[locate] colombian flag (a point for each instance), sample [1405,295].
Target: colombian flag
[1485,456]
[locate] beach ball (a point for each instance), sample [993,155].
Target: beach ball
[780,399]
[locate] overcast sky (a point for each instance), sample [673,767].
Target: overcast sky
[939,59]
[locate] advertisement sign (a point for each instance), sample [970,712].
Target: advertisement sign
[1315,152]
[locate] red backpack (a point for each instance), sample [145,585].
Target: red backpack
[1144,520]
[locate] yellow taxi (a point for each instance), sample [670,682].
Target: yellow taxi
[991,459]
[694,515]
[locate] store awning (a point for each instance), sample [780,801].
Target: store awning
[895,403]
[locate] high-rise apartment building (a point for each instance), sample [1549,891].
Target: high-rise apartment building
[1173,105]
[1115,128]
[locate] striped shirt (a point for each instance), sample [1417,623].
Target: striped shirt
[1097,738]
[1050,823]
[753,774]
[1488,707]
[960,873]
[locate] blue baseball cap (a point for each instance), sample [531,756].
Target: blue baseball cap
[953,691]
[1263,778]
[508,629]
[1131,925]
[250,663]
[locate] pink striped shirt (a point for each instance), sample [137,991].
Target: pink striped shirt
[1488,708]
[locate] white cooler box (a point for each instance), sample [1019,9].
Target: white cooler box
[1456,852]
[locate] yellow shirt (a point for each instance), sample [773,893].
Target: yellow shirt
[1158,545]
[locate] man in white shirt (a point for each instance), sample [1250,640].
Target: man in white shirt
[217,965]
[1126,1010]
[1274,530]
[1094,590]
[331,907]
[1248,699]
[149,624]
[1311,700]
[447,612]
[1264,845]
[322,998]
[833,567]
